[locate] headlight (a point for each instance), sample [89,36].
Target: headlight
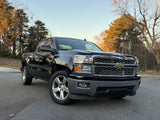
[79,67]
[82,68]
[83,59]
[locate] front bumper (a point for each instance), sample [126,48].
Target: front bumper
[101,88]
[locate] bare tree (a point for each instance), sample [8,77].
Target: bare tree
[146,18]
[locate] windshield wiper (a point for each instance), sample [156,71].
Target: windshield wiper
[66,49]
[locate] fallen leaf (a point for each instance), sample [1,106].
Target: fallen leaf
[11,115]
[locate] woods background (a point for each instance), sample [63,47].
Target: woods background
[136,31]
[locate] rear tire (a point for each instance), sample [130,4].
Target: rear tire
[58,87]
[26,77]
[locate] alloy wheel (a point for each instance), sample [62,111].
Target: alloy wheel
[60,87]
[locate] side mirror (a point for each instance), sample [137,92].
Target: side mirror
[46,48]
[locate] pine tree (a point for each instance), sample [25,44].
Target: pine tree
[36,33]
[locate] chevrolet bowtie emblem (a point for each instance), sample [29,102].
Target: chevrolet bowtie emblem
[118,65]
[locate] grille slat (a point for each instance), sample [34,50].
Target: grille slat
[113,71]
[113,60]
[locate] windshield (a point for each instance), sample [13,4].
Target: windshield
[69,44]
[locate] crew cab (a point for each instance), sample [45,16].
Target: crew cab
[79,70]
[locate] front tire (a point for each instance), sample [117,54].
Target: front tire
[58,87]
[26,77]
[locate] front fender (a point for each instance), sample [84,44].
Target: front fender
[66,61]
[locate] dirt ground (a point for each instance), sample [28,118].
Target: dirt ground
[11,63]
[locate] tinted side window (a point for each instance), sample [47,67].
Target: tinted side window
[39,45]
[48,41]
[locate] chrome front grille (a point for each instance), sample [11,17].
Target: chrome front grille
[108,66]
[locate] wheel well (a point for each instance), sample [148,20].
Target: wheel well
[60,67]
[24,63]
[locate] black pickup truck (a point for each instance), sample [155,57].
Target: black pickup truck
[78,69]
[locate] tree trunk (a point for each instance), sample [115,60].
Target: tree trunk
[157,59]
[14,48]
[20,41]
[0,45]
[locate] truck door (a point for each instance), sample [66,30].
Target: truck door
[43,60]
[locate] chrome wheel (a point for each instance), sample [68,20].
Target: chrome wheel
[26,77]
[60,87]
[23,75]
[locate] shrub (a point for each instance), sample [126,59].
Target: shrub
[157,68]
[5,53]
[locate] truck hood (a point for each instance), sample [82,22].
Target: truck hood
[101,53]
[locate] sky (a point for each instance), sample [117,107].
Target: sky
[83,19]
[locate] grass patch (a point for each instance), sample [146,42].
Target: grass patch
[158,68]
[10,63]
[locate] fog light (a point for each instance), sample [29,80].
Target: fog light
[83,84]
